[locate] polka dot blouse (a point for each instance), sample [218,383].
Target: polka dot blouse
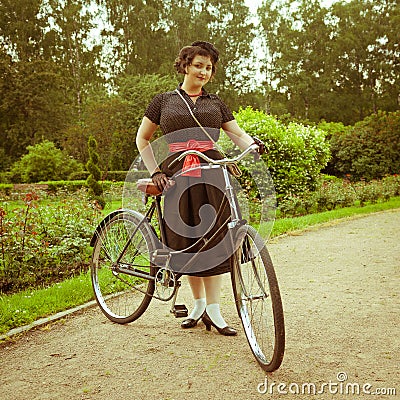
[169,111]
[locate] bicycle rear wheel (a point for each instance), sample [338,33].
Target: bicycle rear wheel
[258,299]
[121,296]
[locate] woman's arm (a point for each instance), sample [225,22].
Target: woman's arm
[237,135]
[143,136]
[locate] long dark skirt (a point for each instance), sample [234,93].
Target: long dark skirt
[195,208]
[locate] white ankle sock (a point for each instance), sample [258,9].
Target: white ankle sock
[198,309]
[214,313]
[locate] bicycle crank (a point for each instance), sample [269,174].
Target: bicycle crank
[165,284]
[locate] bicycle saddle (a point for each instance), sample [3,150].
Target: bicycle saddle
[147,186]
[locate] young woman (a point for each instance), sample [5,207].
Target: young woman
[191,191]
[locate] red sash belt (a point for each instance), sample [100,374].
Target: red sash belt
[191,160]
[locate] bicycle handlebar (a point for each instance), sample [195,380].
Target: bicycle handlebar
[223,161]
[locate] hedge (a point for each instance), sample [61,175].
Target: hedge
[295,154]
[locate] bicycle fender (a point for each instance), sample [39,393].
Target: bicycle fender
[104,221]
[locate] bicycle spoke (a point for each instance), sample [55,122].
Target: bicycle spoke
[258,300]
[122,296]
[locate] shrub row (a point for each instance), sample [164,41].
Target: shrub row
[44,243]
[60,187]
[337,193]
[368,150]
[296,154]
[112,176]
[47,241]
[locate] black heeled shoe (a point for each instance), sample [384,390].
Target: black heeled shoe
[227,331]
[190,323]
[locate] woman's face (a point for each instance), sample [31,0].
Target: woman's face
[199,72]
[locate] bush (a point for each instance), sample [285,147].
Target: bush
[79,176]
[40,245]
[339,193]
[17,191]
[369,150]
[95,188]
[118,176]
[5,189]
[43,162]
[295,153]
[57,187]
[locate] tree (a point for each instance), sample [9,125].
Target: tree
[298,46]
[167,26]
[95,188]
[132,28]
[370,149]
[114,121]
[33,105]
[33,102]
[339,63]
[21,29]
[72,47]
[44,162]
[368,61]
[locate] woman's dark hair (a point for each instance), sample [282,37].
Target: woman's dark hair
[188,53]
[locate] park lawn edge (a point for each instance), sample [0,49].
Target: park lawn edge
[22,309]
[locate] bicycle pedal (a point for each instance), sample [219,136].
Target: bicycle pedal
[179,310]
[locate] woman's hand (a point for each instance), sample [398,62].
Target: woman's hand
[160,180]
[260,144]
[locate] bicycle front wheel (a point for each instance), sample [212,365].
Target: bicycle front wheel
[122,296]
[258,299]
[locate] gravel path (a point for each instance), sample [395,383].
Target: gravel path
[340,289]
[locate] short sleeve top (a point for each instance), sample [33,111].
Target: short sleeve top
[170,112]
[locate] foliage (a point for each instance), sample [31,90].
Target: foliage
[95,188]
[369,150]
[145,37]
[42,243]
[62,65]
[27,306]
[50,188]
[71,48]
[33,105]
[44,162]
[114,121]
[334,193]
[295,153]
[339,63]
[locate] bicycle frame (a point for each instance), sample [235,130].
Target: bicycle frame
[128,256]
[232,222]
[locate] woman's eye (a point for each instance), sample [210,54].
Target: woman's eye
[208,68]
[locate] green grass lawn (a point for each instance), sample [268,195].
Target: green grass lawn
[27,306]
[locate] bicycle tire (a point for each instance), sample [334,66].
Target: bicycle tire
[122,297]
[257,298]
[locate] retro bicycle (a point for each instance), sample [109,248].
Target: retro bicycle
[131,266]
